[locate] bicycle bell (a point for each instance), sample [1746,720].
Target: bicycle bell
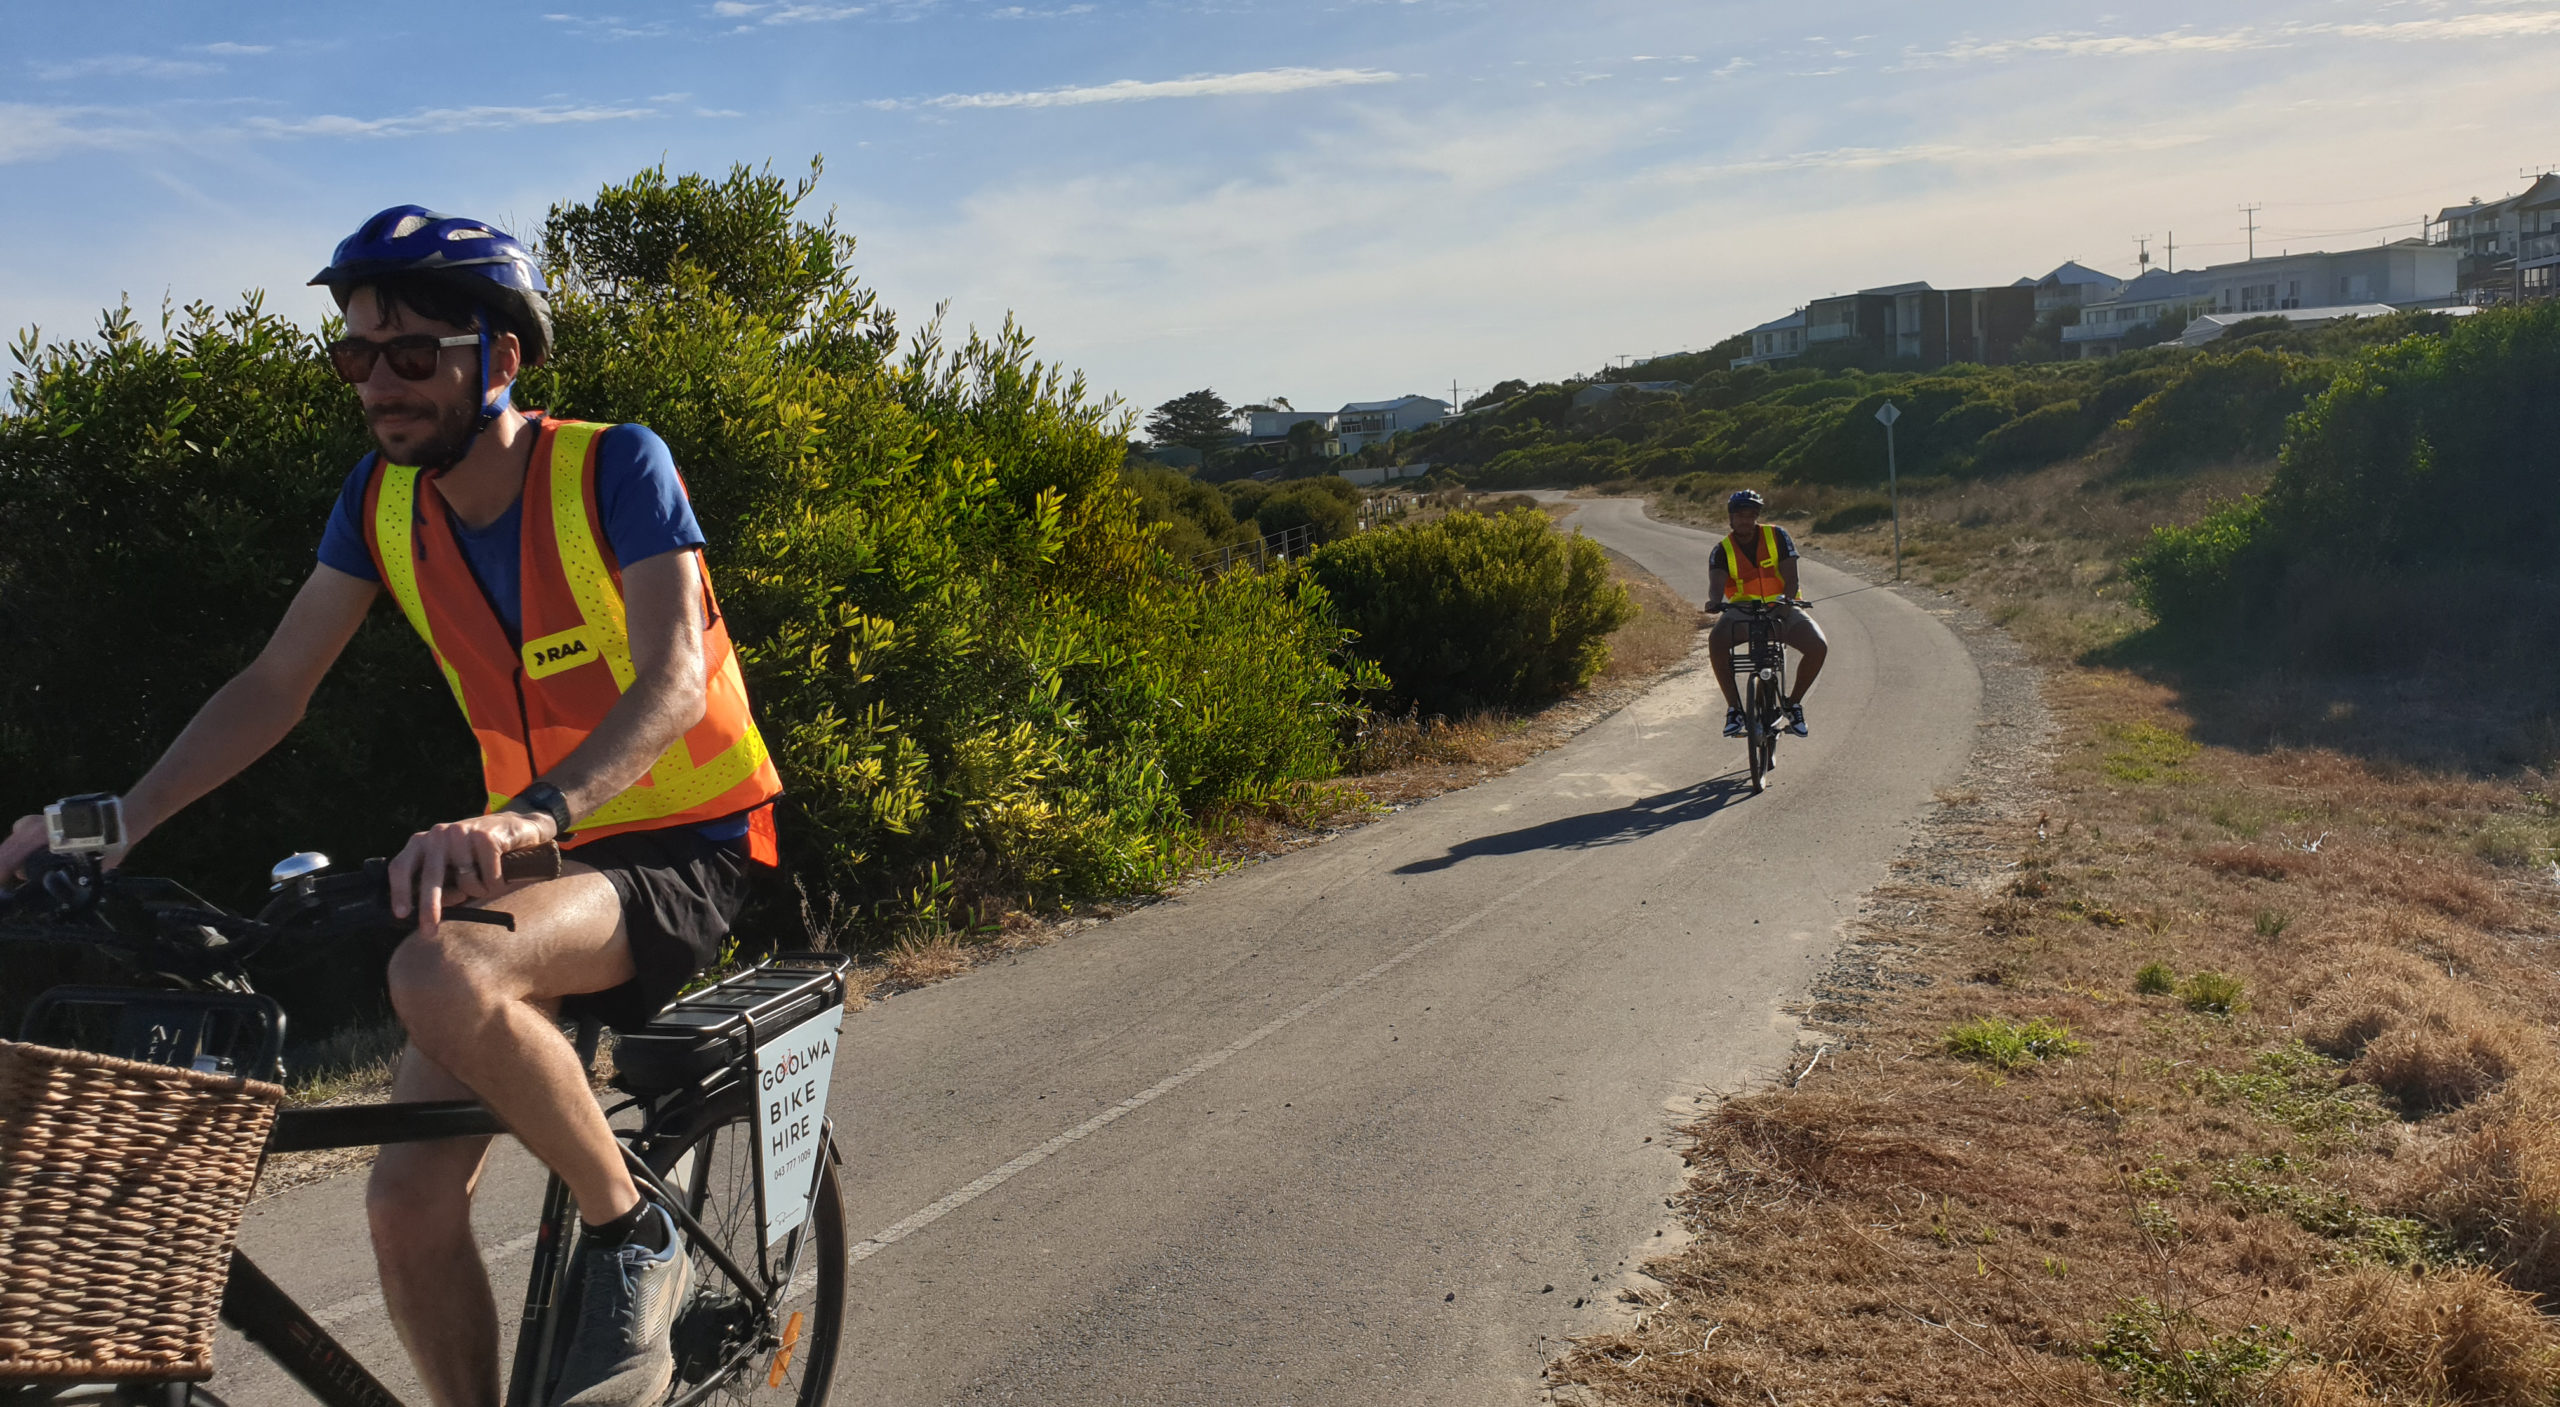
[295,866]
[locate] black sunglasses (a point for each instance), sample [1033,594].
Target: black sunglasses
[411,358]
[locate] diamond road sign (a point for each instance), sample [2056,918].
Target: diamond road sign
[1888,414]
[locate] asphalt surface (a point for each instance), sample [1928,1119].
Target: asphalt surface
[1383,1120]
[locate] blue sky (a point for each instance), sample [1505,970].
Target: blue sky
[1326,201]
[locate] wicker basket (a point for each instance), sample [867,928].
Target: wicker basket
[121,1188]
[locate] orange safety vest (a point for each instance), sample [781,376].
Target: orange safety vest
[1758,579]
[531,705]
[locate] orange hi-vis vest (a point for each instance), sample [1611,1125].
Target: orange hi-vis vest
[1755,578]
[531,705]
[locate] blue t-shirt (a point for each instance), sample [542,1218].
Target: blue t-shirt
[643,504]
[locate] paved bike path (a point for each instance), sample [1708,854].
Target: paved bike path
[1329,1127]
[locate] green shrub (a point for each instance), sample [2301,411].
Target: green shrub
[2156,979]
[2003,1044]
[1472,612]
[2221,407]
[2216,993]
[2170,1356]
[1328,506]
[2459,421]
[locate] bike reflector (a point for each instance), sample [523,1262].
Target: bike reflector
[792,1071]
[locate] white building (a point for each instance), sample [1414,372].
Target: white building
[2404,274]
[1265,423]
[1774,341]
[1363,423]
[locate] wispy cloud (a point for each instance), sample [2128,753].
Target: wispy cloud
[443,119]
[1022,12]
[123,66]
[32,133]
[1942,154]
[1260,83]
[2525,23]
[611,26]
[766,14]
[229,49]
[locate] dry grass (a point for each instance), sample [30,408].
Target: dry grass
[2345,1191]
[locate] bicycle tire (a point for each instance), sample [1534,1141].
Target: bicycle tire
[719,1188]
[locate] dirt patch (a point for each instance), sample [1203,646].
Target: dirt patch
[2162,1071]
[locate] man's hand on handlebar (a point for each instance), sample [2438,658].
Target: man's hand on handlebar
[459,861]
[27,839]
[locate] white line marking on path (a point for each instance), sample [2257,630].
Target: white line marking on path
[883,1240]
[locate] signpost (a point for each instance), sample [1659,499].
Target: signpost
[1893,482]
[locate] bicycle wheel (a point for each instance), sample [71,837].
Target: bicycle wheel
[722,1352]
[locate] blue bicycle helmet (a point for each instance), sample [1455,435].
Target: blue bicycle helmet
[473,257]
[1744,498]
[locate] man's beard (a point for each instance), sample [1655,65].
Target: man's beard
[444,446]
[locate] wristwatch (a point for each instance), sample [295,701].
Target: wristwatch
[544,799]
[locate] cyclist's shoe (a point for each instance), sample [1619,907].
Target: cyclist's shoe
[1795,720]
[621,1355]
[1733,722]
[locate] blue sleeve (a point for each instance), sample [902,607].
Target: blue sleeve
[342,543]
[1786,543]
[642,502]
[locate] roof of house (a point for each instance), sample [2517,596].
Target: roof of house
[2544,192]
[2213,325]
[1397,403]
[1794,319]
[1917,286]
[2073,271]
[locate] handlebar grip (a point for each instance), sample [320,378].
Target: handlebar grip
[534,862]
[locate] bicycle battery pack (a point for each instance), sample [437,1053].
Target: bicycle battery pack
[719,1027]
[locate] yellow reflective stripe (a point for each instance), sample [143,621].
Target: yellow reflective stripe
[673,794]
[395,536]
[590,583]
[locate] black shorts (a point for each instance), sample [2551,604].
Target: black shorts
[680,892]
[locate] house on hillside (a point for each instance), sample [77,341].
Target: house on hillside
[1932,326]
[1364,423]
[2404,274]
[1774,341]
[2071,286]
[2507,247]
[1264,423]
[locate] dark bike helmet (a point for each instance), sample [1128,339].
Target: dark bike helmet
[1744,498]
[473,257]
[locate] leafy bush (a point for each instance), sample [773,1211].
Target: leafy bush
[2156,979]
[2452,422]
[1471,612]
[970,649]
[2003,1044]
[1328,506]
[2221,407]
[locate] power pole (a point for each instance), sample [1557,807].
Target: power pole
[2142,258]
[2173,251]
[2252,212]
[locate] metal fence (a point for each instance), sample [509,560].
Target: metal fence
[1260,553]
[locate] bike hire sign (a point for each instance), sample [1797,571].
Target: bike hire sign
[791,1115]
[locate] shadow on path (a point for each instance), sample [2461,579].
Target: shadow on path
[1616,826]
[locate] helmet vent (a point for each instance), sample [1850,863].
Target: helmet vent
[469,232]
[409,225]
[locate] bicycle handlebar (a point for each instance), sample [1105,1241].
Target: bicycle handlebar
[64,894]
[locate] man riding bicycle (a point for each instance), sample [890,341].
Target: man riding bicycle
[555,571]
[1757,562]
